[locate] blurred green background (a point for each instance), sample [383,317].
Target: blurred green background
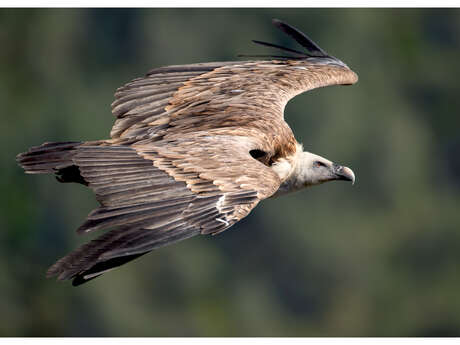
[380,258]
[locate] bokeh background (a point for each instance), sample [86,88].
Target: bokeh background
[381,258]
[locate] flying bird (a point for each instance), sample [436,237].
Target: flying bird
[193,150]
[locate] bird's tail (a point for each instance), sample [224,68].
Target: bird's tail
[52,158]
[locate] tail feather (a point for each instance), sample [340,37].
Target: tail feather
[50,158]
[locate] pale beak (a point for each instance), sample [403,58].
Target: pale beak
[343,173]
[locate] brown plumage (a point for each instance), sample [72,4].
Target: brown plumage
[193,150]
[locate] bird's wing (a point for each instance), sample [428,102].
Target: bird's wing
[154,196]
[143,100]
[180,99]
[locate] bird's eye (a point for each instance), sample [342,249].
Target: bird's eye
[318,164]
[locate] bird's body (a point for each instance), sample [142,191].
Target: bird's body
[194,148]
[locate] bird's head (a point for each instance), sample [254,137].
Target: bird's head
[312,169]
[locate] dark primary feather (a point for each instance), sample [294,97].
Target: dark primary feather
[282,57]
[279,47]
[103,267]
[300,37]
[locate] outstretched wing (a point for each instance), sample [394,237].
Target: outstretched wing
[153,196]
[143,100]
[197,97]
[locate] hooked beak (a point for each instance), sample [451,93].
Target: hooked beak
[343,173]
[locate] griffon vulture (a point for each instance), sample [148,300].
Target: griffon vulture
[193,150]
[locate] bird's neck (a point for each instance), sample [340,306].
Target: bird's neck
[291,172]
[300,173]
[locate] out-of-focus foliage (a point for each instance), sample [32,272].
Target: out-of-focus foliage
[380,258]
